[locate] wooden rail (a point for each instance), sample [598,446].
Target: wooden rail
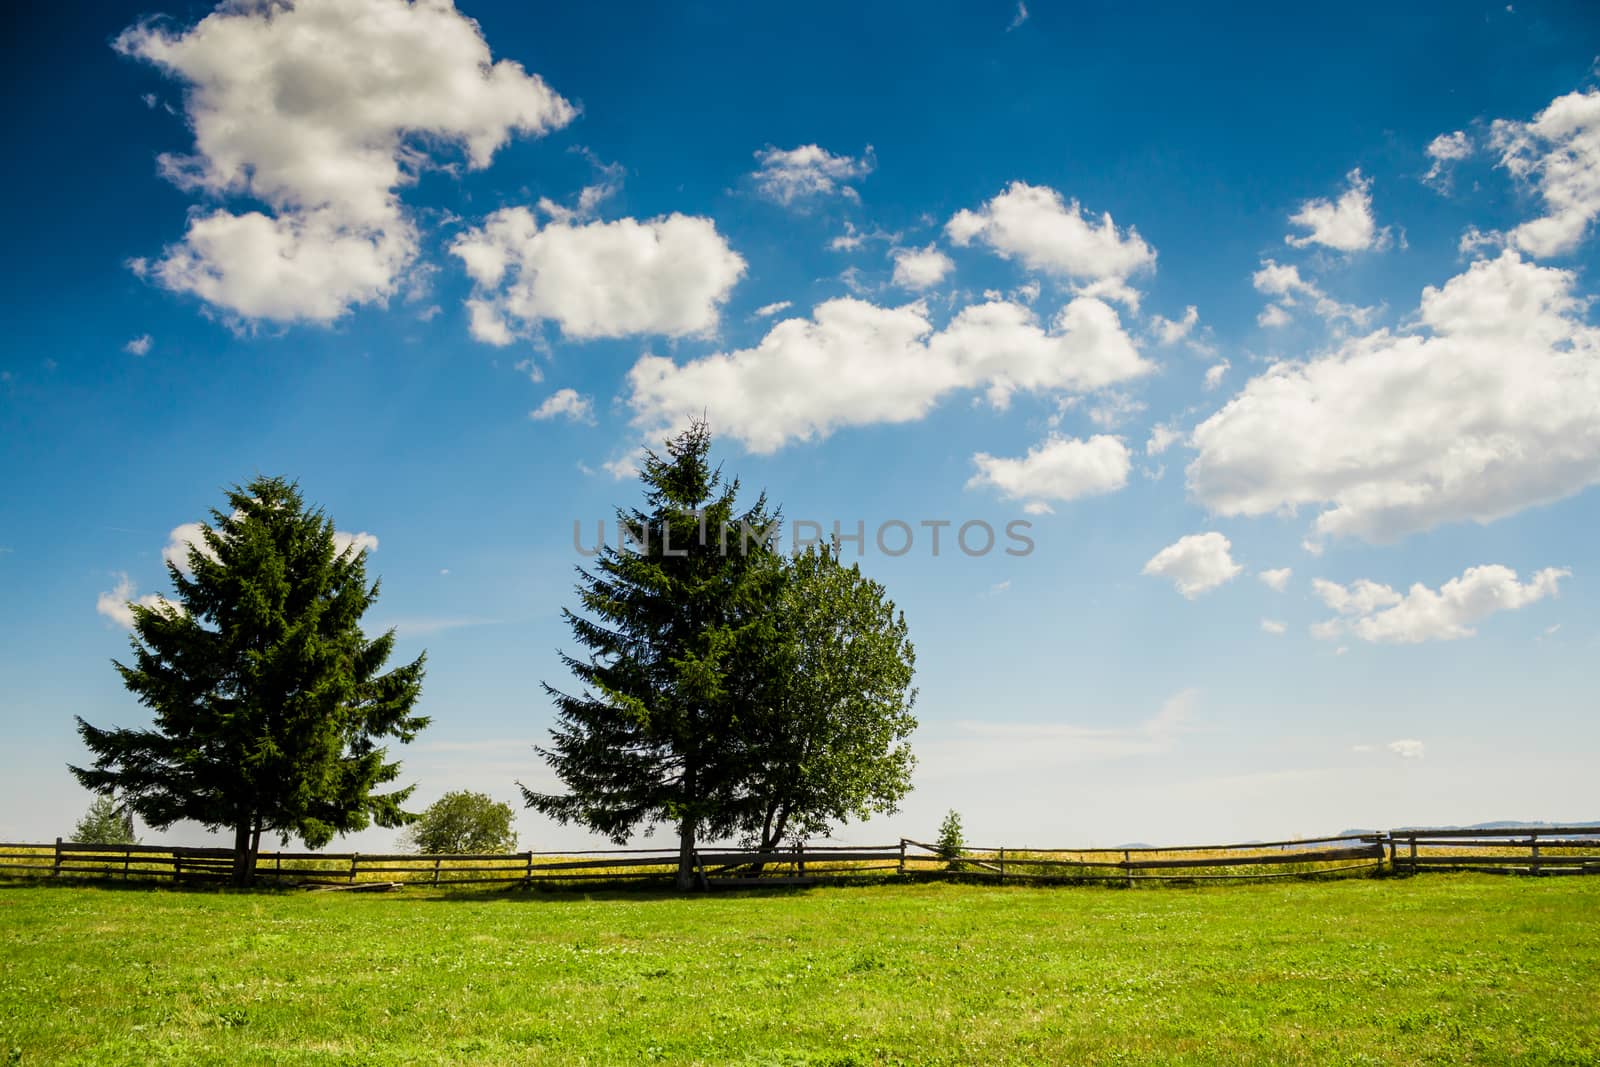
[1543,851]
[1519,850]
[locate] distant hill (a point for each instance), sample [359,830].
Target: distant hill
[1508,824]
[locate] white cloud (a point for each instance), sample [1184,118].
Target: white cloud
[1170,331]
[920,268]
[1059,468]
[1274,627]
[1034,224]
[809,172]
[1406,749]
[1283,281]
[361,542]
[570,403]
[321,111]
[854,363]
[1558,154]
[1020,17]
[1161,439]
[1196,564]
[768,310]
[1376,613]
[1272,316]
[1345,224]
[138,346]
[1215,373]
[599,279]
[1491,412]
[1276,579]
[1445,149]
[115,604]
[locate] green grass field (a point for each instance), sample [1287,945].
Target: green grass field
[1443,969]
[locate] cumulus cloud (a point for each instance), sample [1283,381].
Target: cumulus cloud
[1161,439]
[1272,316]
[794,175]
[1558,155]
[567,403]
[116,604]
[1036,225]
[1060,468]
[766,311]
[920,268]
[1196,564]
[1490,411]
[1377,613]
[1444,150]
[1171,331]
[1285,283]
[139,346]
[1276,579]
[1345,225]
[321,111]
[1406,749]
[1274,627]
[854,363]
[1216,372]
[597,279]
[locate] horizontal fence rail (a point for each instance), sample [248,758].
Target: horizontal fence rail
[1513,850]
[1543,851]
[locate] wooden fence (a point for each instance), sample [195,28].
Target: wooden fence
[1546,850]
[1560,850]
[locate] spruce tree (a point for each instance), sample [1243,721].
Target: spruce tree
[672,622]
[270,704]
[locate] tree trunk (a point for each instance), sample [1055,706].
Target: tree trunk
[244,857]
[688,877]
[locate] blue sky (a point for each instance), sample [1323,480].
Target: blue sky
[453,298]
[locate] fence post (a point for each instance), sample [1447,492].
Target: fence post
[353,858]
[436,862]
[1127,866]
[177,864]
[1002,864]
[55,872]
[527,879]
[1411,865]
[800,856]
[127,856]
[1533,844]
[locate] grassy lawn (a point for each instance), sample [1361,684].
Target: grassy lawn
[1440,968]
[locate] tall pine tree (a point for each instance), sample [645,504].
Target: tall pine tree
[270,704]
[673,624]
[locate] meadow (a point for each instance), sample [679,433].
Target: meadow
[1440,968]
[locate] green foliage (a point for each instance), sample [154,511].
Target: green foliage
[1439,969]
[269,701]
[727,688]
[828,739]
[671,628]
[952,841]
[105,823]
[463,822]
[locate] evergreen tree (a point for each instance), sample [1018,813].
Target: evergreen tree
[105,823]
[270,709]
[672,626]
